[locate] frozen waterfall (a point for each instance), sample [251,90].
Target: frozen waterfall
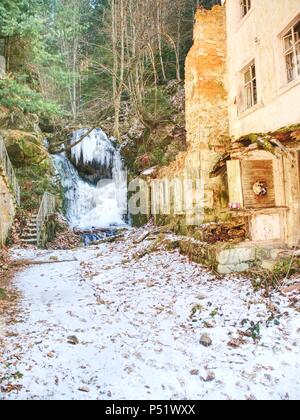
[88,206]
[96,147]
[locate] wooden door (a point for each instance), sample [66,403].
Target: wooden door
[252,172]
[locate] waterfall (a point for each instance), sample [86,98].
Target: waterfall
[89,206]
[95,148]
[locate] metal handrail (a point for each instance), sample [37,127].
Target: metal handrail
[7,168]
[47,208]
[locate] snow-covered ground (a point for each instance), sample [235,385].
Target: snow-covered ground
[138,324]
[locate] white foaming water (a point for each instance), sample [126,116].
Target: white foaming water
[94,206]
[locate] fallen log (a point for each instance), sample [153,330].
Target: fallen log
[107,240]
[156,231]
[152,248]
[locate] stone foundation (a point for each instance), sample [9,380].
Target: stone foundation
[226,258]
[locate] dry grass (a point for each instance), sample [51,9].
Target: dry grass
[8,295]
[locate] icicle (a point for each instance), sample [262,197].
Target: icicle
[96,147]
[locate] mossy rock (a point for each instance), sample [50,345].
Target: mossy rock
[24,148]
[15,119]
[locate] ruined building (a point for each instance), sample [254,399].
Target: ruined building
[243,128]
[207,121]
[263,79]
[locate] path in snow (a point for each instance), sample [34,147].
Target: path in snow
[136,337]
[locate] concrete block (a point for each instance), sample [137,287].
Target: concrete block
[268,265]
[241,268]
[275,253]
[225,269]
[236,256]
[233,268]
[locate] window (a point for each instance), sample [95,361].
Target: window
[245,7]
[291,47]
[250,86]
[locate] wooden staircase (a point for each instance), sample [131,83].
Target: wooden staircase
[33,233]
[29,234]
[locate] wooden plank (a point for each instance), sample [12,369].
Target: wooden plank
[234,182]
[262,171]
[278,173]
[292,200]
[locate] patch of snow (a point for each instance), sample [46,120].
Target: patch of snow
[149,171]
[137,336]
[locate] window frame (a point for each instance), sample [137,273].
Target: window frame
[292,51]
[252,84]
[245,7]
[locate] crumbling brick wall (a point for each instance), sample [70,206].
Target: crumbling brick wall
[206,110]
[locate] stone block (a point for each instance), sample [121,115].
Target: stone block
[236,256]
[241,268]
[233,268]
[225,269]
[268,265]
[275,253]
[263,254]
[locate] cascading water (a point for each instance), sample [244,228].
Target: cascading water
[89,206]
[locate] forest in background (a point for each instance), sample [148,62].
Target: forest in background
[80,61]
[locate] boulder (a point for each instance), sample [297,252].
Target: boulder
[15,119]
[24,148]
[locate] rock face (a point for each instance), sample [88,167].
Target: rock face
[17,120]
[7,208]
[24,142]
[8,187]
[23,137]
[23,147]
[144,147]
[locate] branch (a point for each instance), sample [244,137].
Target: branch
[70,146]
